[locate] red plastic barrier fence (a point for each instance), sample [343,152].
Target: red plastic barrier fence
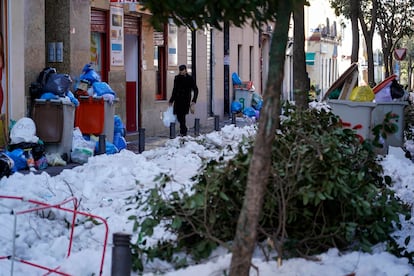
[42,206]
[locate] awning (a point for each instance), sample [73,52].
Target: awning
[310,58]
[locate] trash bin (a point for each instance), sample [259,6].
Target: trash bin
[54,120]
[109,123]
[378,115]
[355,113]
[244,97]
[95,116]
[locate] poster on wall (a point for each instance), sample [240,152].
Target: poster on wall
[96,51]
[172,45]
[117,36]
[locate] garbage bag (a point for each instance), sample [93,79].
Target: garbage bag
[58,84]
[384,95]
[249,111]
[24,131]
[101,88]
[236,107]
[89,74]
[362,93]
[236,79]
[397,91]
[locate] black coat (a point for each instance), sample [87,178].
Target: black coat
[181,94]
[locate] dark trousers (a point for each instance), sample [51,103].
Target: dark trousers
[181,120]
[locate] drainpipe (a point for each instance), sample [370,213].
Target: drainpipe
[226,68]
[193,55]
[212,67]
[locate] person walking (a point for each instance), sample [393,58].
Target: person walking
[181,97]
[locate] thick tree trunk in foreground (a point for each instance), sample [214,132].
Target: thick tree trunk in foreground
[246,232]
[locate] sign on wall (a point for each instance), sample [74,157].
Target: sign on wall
[172,44]
[117,36]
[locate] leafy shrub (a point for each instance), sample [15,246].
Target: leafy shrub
[326,189]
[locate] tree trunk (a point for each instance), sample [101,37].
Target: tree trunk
[246,232]
[355,9]
[387,67]
[370,54]
[368,35]
[301,82]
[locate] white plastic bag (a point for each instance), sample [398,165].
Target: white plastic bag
[24,131]
[168,117]
[81,148]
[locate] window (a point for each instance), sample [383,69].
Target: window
[160,62]
[97,53]
[99,29]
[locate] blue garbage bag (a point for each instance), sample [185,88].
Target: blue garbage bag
[119,141]
[102,88]
[119,126]
[19,159]
[236,79]
[236,107]
[249,111]
[89,74]
[109,148]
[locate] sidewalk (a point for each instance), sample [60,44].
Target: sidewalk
[159,140]
[151,142]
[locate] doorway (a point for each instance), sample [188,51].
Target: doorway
[132,42]
[132,80]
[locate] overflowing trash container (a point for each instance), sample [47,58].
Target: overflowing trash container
[378,114]
[54,120]
[95,115]
[369,107]
[246,101]
[355,113]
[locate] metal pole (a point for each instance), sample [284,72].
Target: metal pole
[141,140]
[172,130]
[216,122]
[102,144]
[196,126]
[121,255]
[233,118]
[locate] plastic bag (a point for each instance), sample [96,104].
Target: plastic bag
[81,148]
[169,117]
[110,148]
[118,125]
[58,84]
[384,95]
[362,94]
[6,165]
[397,91]
[236,79]
[102,88]
[24,131]
[236,107]
[119,141]
[249,111]
[89,74]
[19,160]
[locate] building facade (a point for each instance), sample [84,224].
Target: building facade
[137,61]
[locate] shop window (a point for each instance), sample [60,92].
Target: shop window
[98,48]
[97,53]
